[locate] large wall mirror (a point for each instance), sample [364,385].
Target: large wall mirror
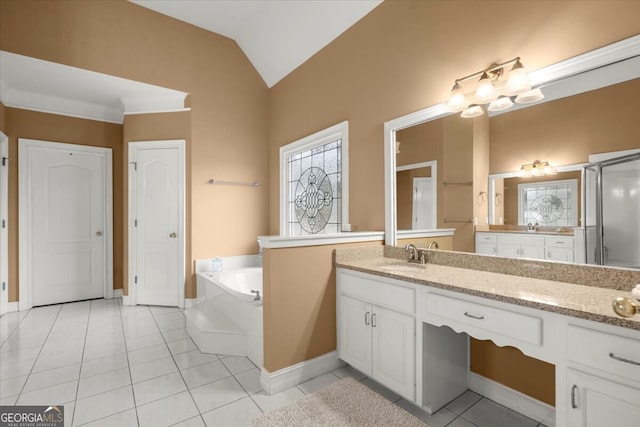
[591,106]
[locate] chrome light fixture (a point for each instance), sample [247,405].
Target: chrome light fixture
[537,168]
[496,86]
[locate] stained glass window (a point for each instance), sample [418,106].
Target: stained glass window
[549,203]
[314,179]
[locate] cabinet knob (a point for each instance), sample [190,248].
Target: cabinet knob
[173,235]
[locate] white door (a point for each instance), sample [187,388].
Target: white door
[4,246]
[64,222]
[423,203]
[394,353]
[157,196]
[355,333]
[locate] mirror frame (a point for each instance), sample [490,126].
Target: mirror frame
[577,66]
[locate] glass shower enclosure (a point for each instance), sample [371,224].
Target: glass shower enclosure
[611,197]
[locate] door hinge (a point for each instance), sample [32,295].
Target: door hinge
[4,286]
[4,161]
[135,165]
[135,222]
[135,280]
[4,224]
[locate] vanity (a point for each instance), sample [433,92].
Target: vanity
[522,244]
[408,325]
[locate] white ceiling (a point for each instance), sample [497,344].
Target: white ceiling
[276,35]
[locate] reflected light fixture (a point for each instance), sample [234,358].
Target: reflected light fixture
[537,168]
[499,86]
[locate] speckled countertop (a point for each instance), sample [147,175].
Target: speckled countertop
[586,301]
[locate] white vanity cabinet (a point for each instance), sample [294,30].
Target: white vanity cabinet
[486,243]
[603,378]
[523,245]
[376,329]
[520,245]
[559,248]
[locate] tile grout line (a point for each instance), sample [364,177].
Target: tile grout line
[124,337]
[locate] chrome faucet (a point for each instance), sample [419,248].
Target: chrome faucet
[433,244]
[415,255]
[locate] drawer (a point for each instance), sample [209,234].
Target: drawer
[519,326]
[373,290]
[521,239]
[486,238]
[558,242]
[607,352]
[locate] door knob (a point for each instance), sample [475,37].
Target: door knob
[173,235]
[98,233]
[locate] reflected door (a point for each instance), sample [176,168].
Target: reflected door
[423,201]
[612,212]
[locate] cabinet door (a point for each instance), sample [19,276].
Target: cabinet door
[596,402]
[354,333]
[560,254]
[486,248]
[508,250]
[394,351]
[532,251]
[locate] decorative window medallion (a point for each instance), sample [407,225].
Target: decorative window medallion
[312,177]
[549,203]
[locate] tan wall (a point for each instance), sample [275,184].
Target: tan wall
[227,96]
[567,130]
[51,127]
[404,56]
[299,304]
[157,127]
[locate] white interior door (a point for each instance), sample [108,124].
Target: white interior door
[157,198]
[4,202]
[423,203]
[64,222]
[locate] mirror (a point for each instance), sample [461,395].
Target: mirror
[584,73]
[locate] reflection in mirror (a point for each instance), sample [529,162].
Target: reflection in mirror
[571,124]
[416,188]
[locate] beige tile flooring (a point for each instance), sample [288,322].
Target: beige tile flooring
[115,365]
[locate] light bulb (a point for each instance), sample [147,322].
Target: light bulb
[456,99]
[472,111]
[518,81]
[529,96]
[502,103]
[485,91]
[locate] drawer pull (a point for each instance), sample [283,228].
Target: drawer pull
[373,320]
[473,316]
[622,359]
[573,396]
[366,318]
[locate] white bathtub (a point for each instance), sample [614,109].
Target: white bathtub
[228,296]
[242,283]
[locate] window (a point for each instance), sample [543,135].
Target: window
[549,203]
[314,183]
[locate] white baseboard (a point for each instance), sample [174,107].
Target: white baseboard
[513,399]
[117,293]
[190,302]
[275,382]
[128,300]
[12,306]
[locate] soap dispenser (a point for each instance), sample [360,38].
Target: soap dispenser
[217,265]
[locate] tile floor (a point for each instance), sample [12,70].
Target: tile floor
[115,365]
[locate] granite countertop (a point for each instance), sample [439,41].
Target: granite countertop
[582,301]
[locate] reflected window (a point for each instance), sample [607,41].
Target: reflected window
[312,176]
[549,203]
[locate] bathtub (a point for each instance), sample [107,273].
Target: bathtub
[231,316]
[242,283]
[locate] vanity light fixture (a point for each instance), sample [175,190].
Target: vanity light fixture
[537,168]
[496,87]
